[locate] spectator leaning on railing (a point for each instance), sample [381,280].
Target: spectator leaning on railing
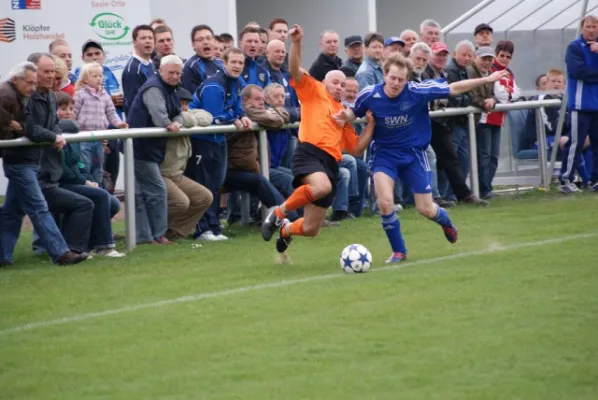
[220,95]
[76,210]
[157,104]
[21,166]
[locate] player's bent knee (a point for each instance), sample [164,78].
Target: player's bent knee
[321,189]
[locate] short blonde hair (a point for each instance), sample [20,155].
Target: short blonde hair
[60,67]
[398,61]
[84,73]
[555,71]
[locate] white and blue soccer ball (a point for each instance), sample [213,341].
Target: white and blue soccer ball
[356,258]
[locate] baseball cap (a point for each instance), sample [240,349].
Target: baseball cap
[184,94]
[482,27]
[439,47]
[392,40]
[91,43]
[484,51]
[353,39]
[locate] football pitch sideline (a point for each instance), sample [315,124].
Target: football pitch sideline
[510,311]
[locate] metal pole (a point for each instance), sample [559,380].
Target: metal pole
[372,19]
[466,16]
[563,110]
[264,154]
[473,157]
[541,138]
[130,231]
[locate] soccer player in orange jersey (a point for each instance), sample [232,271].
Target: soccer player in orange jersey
[316,158]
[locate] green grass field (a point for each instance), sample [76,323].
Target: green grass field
[510,312]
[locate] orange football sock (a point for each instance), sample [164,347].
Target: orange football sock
[293,229]
[301,197]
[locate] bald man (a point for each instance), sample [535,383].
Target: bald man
[315,162]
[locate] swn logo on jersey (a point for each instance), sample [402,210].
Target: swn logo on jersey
[396,121]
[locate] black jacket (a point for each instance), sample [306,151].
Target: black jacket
[323,65]
[436,105]
[455,73]
[42,120]
[33,113]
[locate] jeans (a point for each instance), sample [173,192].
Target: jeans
[341,198]
[76,212]
[101,225]
[433,172]
[37,245]
[151,206]
[357,203]
[92,154]
[291,145]
[24,196]
[349,162]
[460,138]
[256,184]
[282,179]
[207,166]
[112,161]
[488,147]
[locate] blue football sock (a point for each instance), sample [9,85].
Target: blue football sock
[392,227]
[442,218]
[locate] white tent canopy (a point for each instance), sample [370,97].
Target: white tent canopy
[526,15]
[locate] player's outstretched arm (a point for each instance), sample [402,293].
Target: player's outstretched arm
[296,35]
[469,84]
[365,138]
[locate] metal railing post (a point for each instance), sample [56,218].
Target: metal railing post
[130,230]
[264,154]
[541,138]
[473,157]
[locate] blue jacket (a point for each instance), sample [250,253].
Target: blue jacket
[198,69]
[152,149]
[134,76]
[582,76]
[220,95]
[255,73]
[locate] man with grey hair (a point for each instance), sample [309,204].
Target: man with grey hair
[157,104]
[409,37]
[22,164]
[327,60]
[430,31]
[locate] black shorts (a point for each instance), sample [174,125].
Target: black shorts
[309,159]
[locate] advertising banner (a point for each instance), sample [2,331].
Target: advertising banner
[27,26]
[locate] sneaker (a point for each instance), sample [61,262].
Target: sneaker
[163,240]
[569,188]
[450,233]
[221,237]
[282,243]
[208,236]
[327,224]
[109,253]
[474,200]
[398,208]
[341,215]
[396,258]
[444,203]
[72,258]
[593,187]
[270,224]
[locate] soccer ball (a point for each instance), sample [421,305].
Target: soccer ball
[356,258]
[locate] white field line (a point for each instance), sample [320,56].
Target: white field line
[279,284]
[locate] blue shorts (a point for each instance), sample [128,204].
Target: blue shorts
[409,165]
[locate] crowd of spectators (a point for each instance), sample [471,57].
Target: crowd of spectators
[185,186]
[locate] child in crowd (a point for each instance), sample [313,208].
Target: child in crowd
[63,83]
[94,110]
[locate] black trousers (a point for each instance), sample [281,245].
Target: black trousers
[446,159]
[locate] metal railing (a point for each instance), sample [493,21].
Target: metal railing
[129,134]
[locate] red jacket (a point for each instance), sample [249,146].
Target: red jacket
[506,91]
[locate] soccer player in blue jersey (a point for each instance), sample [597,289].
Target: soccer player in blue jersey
[399,140]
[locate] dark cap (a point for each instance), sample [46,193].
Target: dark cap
[393,40]
[184,94]
[91,43]
[482,27]
[353,39]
